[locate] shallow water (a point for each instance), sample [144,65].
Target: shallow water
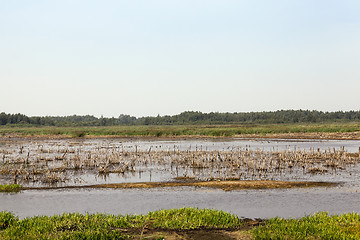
[191,144]
[245,203]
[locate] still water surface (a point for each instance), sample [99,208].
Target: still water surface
[248,203]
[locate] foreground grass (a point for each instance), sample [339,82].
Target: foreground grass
[318,226]
[100,226]
[161,223]
[183,130]
[10,188]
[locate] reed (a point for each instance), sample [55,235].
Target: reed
[61,162]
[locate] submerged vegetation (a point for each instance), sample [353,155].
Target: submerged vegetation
[179,222]
[63,163]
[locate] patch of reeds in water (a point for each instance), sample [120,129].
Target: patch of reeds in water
[55,164]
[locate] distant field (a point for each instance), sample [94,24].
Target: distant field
[184,130]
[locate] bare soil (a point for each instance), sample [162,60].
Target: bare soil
[241,233]
[197,235]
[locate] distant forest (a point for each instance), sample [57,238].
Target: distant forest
[188,117]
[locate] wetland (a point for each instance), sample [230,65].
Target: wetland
[252,177]
[148,188]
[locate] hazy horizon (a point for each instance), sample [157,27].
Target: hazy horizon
[144,58]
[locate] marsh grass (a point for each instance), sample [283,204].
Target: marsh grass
[317,226]
[101,226]
[77,134]
[183,130]
[10,188]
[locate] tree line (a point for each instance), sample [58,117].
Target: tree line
[188,117]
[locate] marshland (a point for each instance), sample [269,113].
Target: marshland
[249,178]
[81,162]
[179,120]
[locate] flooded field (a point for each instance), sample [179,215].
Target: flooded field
[37,163]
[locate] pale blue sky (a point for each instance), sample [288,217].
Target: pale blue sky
[164,57]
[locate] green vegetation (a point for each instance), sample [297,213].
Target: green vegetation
[10,188]
[183,130]
[184,124]
[7,219]
[187,118]
[318,226]
[101,226]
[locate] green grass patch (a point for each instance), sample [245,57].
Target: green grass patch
[7,219]
[10,188]
[182,130]
[191,218]
[101,226]
[317,226]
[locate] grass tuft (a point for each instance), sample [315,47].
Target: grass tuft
[10,187]
[193,218]
[7,219]
[317,226]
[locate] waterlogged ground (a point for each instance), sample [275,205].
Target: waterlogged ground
[79,162]
[69,162]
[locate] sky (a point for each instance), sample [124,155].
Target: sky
[150,57]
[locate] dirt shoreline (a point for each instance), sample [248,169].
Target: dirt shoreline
[224,185]
[240,233]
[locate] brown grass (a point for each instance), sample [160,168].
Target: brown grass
[293,135]
[224,185]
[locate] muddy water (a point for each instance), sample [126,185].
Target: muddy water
[248,203]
